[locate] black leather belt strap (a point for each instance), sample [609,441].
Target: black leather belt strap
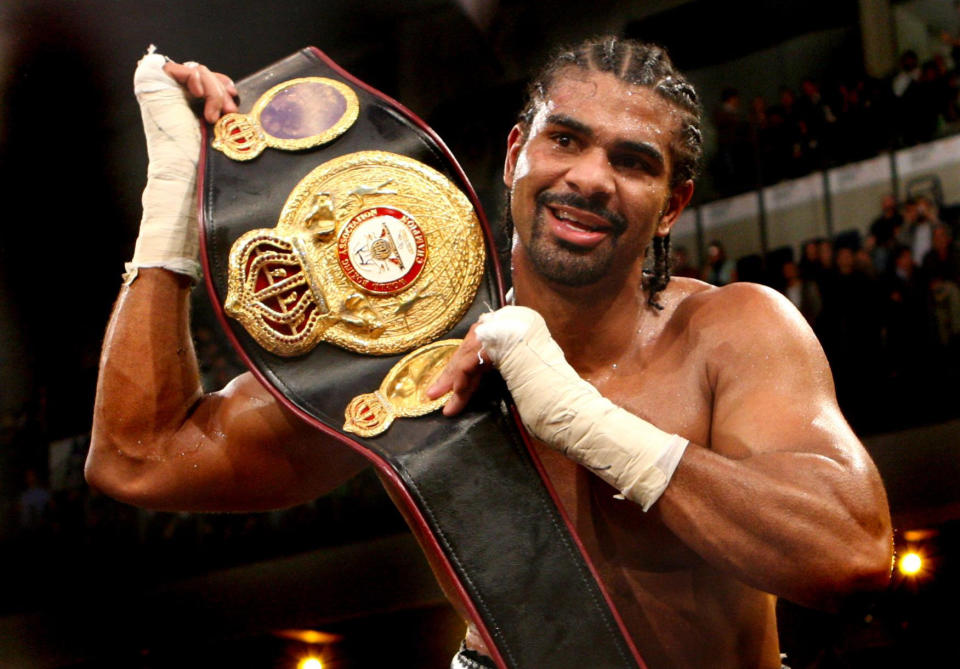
[470,487]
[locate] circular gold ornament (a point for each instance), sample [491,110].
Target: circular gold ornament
[291,116]
[374,252]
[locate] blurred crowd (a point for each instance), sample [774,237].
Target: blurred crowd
[885,306]
[820,126]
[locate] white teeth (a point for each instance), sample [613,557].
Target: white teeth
[566,216]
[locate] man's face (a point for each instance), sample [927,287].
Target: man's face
[941,239]
[589,180]
[845,260]
[889,205]
[904,261]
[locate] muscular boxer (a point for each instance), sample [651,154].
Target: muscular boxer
[692,432]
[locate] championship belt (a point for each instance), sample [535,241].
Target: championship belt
[346,255]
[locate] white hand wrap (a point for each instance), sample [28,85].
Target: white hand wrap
[168,230]
[567,413]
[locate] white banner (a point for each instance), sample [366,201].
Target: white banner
[860,175]
[793,193]
[731,209]
[928,156]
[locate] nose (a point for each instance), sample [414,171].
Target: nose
[591,175]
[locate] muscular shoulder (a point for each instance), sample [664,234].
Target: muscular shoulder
[742,327]
[739,313]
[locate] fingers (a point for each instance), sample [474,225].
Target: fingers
[216,89]
[461,376]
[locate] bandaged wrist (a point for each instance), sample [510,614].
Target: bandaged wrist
[567,413]
[168,229]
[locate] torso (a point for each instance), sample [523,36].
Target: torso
[680,611]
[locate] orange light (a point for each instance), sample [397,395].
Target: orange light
[911,564]
[310,663]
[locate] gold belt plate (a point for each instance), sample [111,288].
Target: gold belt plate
[374,252]
[294,115]
[403,391]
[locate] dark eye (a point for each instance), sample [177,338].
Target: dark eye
[562,139]
[628,162]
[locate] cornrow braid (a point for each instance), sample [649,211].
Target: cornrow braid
[639,64]
[660,277]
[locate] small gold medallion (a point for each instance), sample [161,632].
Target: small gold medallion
[374,252]
[403,392]
[294,115]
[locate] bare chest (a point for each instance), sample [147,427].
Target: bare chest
[669,389]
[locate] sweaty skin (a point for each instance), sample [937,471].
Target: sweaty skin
[774,494]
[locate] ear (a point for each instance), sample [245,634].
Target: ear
[678,201]
[515,142]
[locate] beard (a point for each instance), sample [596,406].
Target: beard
[560,261]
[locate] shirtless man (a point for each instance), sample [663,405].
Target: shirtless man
[710,410]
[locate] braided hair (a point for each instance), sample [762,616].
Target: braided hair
[639,64]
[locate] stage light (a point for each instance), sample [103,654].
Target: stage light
[911,564]
[310,663]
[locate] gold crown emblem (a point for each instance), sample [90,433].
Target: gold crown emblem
[239,137]
[403,391]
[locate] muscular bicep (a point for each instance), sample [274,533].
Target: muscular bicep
[775,410]
[239,450]
[783,495]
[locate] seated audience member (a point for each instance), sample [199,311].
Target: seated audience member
[804,293]
[680,264]
[720,269]
[942,261]
[941,266]
[921,232]
[884,230]
[907,317]
[849,328]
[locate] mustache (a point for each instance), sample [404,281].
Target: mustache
[616,221]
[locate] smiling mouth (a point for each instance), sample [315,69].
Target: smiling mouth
[581,219]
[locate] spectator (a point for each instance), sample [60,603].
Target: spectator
[849,328]
[680,264]
[932,101]
[720,270]
[34,505]
[804,293]
[857,124]
[942,261]
[863,262]
[921,230]
[907,99]
[819,121]
[908,318]
[883,232]
[775,145]
[825,274]
[941,267]
[734,154]
[810,260]
[945,296]
[794,136]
